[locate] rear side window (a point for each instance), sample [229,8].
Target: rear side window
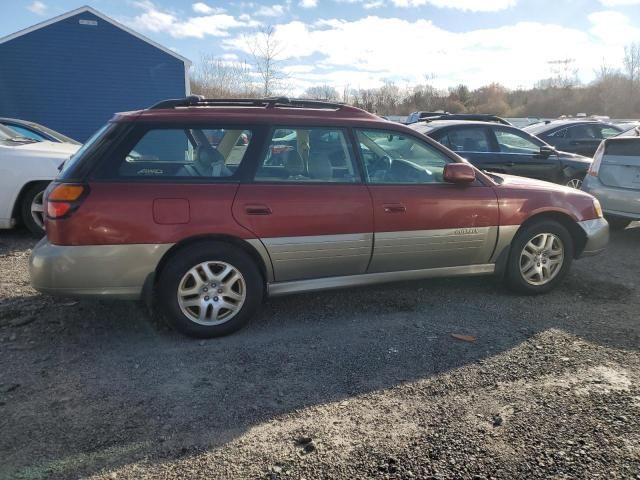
[466,140]
[308,155]
[202,152]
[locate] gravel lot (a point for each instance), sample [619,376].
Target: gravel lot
[348,384]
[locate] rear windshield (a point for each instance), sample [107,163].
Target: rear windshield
[628,147]
[75,158]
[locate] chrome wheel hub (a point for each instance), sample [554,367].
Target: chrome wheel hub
[541,259]
[211,293]
[37,209]
[575,183]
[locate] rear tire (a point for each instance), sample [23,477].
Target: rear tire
[540,257]
[209,289]
[618,223]
[32,209]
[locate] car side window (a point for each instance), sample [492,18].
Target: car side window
[466,140]
[190,152]
[607,132]
[393,157]
[583,132]
[510,141]
[562,133]
[308,155]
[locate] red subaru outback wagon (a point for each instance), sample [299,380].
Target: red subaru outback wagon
[208,206]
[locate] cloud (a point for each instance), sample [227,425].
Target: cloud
[154,19]
[271,11]
[39,8]
[373,4]
[205,9]
[469,5]
[367,51]
[308,3]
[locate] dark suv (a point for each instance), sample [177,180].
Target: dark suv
[506,149]
[168,205]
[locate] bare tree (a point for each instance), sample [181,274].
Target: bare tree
[267,52]
[322,92]
[632,62]
[217,78]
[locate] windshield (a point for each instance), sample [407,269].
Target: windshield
[632,132]
[54,134]
[537,128]
[10,137]
[423,128]
[78,155]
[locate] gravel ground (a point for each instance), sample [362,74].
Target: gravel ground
[348,384]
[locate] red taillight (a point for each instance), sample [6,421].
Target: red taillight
[62,198]
[594,169]
[277,149]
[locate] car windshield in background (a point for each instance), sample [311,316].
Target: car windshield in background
[632,132]
[53,133]
[10,137]
[537,128]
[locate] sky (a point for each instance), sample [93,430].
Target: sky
[363,43]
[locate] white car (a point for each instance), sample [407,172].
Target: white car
[26,168]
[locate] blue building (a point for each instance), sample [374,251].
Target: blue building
[73,72]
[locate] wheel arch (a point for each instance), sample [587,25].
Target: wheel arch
[253,248]
[578,235]
[15,209]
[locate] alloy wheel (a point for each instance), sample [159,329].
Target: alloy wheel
[575,183]
[37,209]
[541,259]
[211,293]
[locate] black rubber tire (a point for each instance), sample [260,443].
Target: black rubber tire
[175,268]
[618,223]
[25,209]
[514,278]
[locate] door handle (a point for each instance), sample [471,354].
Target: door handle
[394,208]
[257,210]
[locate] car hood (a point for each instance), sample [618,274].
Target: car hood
[533,184]
[49,148]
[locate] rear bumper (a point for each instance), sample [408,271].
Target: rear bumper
[621,202]
[116,271]
[597,232]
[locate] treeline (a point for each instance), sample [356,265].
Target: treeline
[613,92]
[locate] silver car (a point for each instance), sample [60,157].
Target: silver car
[614,178]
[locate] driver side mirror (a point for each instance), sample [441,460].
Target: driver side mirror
[546,151]
[460,173]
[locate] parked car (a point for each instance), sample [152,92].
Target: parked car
[614,178]
[574,136]
[26,168]
[505,149]
[205,239]
[35,131]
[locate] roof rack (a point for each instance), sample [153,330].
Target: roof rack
[479,117]
[272,102]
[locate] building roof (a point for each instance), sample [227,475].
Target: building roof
[93,11]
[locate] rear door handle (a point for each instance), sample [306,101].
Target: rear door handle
[394,208]
[257,210]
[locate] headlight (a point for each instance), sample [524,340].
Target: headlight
[598,208]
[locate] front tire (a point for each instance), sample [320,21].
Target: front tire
[209,289]
[32,209]
[540,257]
